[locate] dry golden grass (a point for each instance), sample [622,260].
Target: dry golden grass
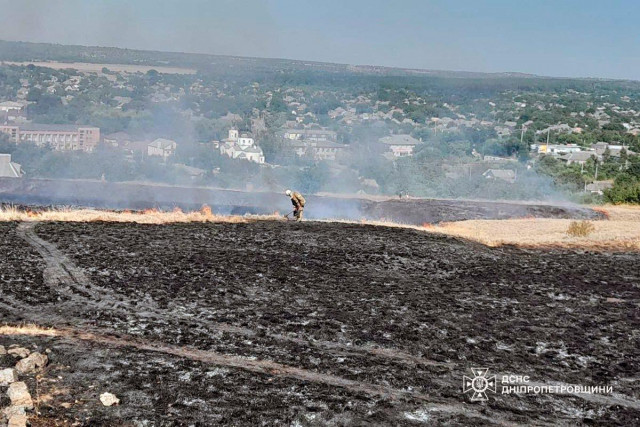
[619,212]
[618,235]
[544,232]
[28,329]
[619,231]
[150,216]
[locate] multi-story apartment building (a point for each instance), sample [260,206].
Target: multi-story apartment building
[59,137]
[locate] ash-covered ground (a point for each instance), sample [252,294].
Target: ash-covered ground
[280,323]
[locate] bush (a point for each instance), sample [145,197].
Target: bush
[626,189]
[580,228]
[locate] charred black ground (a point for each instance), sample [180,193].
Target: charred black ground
[397,315]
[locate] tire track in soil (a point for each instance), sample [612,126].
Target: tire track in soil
[265,367]
[63,275]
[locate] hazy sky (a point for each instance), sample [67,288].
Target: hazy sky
[549,37]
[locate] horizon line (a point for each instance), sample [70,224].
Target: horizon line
[399,68]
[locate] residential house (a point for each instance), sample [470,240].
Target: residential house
[503,131]
[399,145]
[614,150]
[597,187]
[506,175]
[11,111]
[118,139]
[9,169]
[560,128]
[579,157]
[161,147]
[556,149]
[241,146]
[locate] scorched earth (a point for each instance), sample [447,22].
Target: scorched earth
[313,323]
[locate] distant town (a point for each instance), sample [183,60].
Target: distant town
[332,131]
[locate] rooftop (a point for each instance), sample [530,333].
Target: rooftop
[11,104]
[506,174]
[313,131]
[41,127]
[119,136]
[579,156]
[399,140]
[328,144]
[163,143]
[8,168]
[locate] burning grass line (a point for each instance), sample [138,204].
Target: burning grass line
[149,216]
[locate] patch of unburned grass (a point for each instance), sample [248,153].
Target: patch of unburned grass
[546,232]
[28,330]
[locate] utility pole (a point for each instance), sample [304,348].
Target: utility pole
[522,134]
[596,177]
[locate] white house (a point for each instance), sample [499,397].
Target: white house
[8,168]
[161,147]
[399,145]
[241,146]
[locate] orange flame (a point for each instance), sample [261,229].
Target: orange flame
[206,211]
[602,211]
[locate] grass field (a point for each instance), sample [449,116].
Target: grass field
[620,231]
[97,68]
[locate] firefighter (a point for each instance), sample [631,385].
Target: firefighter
[298,203]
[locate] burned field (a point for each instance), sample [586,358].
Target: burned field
[315,323]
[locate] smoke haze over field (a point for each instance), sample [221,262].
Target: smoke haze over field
[470,135]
